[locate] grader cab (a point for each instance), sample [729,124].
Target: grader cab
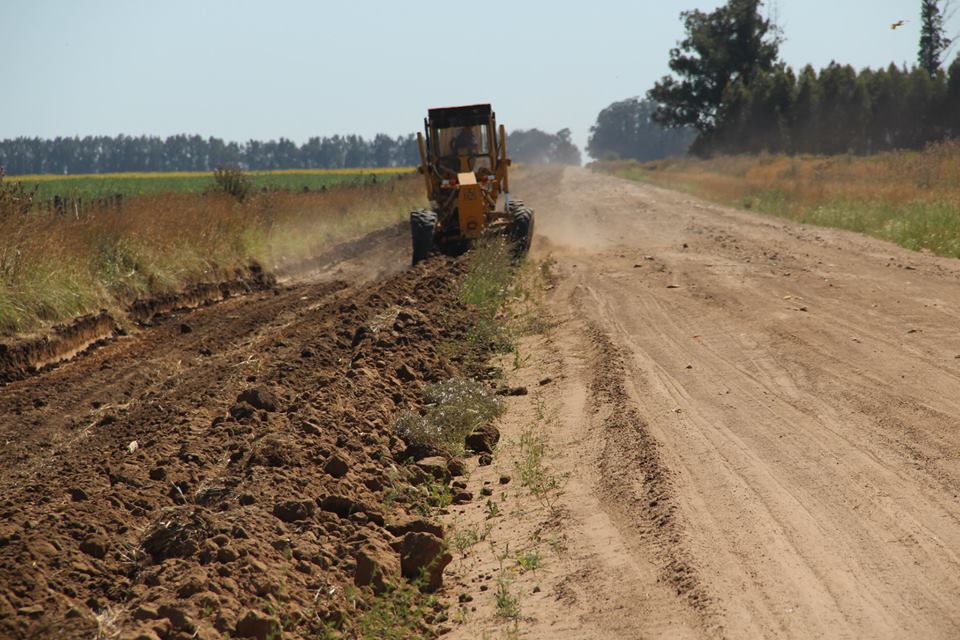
[463,159]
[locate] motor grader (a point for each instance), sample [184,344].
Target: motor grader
[463,159]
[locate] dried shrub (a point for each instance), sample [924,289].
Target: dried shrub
[455,408]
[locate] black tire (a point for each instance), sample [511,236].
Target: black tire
[521,228]
[423,224]
[515,206]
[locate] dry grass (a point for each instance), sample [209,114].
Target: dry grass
[54,267]
[911,197]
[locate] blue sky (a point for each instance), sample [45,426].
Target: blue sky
[238,69]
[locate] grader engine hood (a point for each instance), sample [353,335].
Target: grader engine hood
[470,206]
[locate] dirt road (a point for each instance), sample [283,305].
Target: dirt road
[764,416]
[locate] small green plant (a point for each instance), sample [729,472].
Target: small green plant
[233,182]
[545,484]
[493,509]
[547,267]
[455,408]
[462,616]
[528,560]
[425,498]
[518,362]
[466,537]
[399,613]
[507,603]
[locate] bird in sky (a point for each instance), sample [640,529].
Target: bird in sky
[898,23]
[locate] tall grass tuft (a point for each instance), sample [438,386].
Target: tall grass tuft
[484,291]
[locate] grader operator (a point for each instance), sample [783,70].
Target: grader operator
[463,159]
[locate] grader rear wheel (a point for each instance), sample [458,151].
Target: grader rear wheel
[423,223]
[521,226]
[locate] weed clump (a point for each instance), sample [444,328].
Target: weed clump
[484,291]
[455,408]
[424,499]
[15,198]
[233,182]
[543,482]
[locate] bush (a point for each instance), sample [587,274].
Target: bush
[233,182]
[455,408]
[14,197]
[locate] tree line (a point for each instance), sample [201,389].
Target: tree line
[729,92]
[122,153]
[837,110]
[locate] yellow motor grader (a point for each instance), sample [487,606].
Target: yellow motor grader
[463,159]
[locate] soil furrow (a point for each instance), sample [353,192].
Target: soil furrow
[223,476]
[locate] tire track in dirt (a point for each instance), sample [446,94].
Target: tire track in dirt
[636,484]
[813,460]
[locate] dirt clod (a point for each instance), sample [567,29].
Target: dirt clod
[95,546]
[424,553]
[336,466]
[436,466]
[294,510]
[377,566]
[178,533]
[259,625]
[462,497]
[484,439]
[259,398]
[512,391]
[405,373]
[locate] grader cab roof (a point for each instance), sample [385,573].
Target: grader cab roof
[466,116]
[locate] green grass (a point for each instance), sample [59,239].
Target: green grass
[92,187]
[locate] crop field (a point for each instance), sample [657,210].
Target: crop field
[93,186]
